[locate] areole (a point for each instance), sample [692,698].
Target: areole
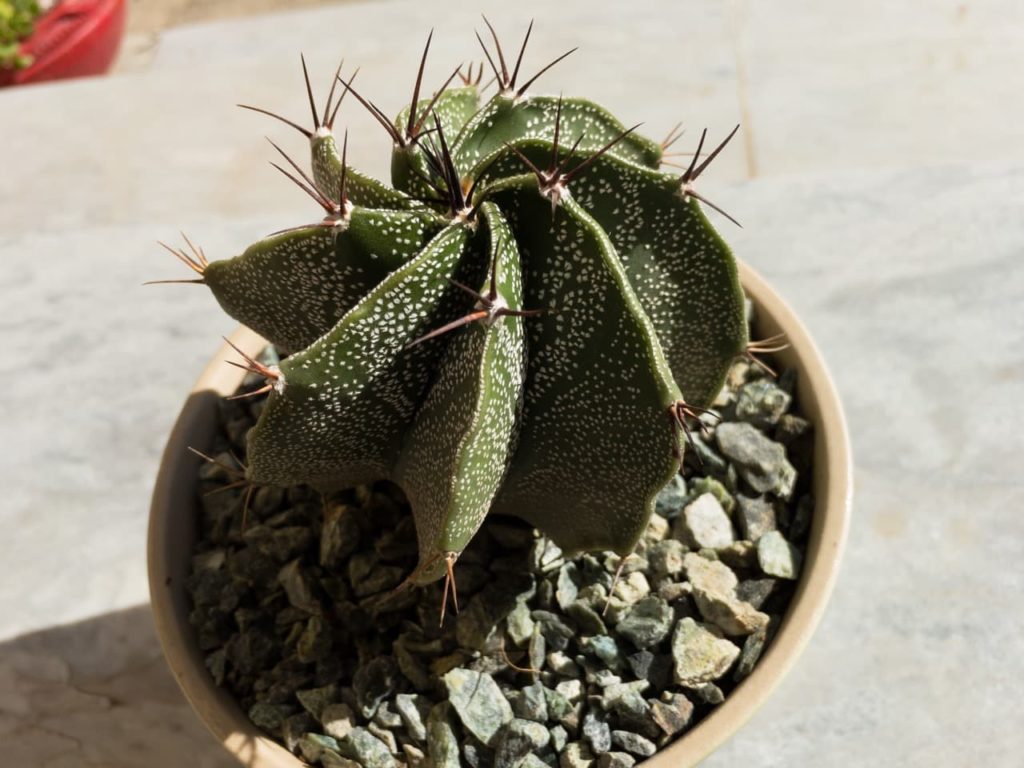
[172,533]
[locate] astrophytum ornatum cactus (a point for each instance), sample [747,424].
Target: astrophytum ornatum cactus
[528,322]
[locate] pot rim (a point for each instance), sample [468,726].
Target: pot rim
[832,488]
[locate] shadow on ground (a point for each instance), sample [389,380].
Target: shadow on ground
[98,693]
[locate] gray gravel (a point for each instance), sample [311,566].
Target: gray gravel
[547,663]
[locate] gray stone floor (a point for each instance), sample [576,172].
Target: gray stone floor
[880,182]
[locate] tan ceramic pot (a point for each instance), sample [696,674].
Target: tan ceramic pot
[172,532]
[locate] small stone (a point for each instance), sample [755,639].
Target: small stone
[270,717]
[604,648]
[791,428]
[705,524]
[632,588]
[596,733]
[477,755]
[314,642]
[545,555]
[385,717]
[368,577]
[595,577]
[708,693]
[313,745]
[750,654]
[777,557]
[298,588]
[670,591]
[374,682]
[576,755]
[478,623]
[384,735]
[602,677]
[703,458]
[531,761]
[740,555]
[413,709]
[657,530]
[647,623]
[474,629]
[762,402]
[479,703]
[714,591]
[281,544]
[517,740]
[626,701]
[587,618]
[614,692]
[572,690]
[673,714]
[398,542]
[315,700]
[755,591]
[634,743]
[701,485]
[339,536]
[558,705]
[365,748]
[338,720]
[442,743]
[443,664]
[759,461]
[267,499]
[756,517]
[555,631]
[414,756]
[560,663]
[411,664]
[294,728]
[624,566]
[640,663]
[567,589]
[669,502]
[615,760]
[531,704]
[700,654]
[537,648]
[666,557]
[519,624]
[559,738]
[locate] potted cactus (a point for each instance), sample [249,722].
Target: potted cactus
[55,39]
[518,343]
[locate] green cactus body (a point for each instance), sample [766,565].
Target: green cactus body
[294,287]
[362,189]
[457,452]
[595,446]
[505,119]
[521,325]
[343,403]
[454,108]
[681,269]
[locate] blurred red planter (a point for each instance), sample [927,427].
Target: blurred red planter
[72,39]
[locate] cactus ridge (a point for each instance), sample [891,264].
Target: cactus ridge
[529,320]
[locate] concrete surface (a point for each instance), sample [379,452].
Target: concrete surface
[880,185]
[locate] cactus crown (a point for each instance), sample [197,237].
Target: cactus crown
[523,323]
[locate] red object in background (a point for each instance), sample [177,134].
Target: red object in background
[72,39]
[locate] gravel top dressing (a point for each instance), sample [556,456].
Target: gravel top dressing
[299,617]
